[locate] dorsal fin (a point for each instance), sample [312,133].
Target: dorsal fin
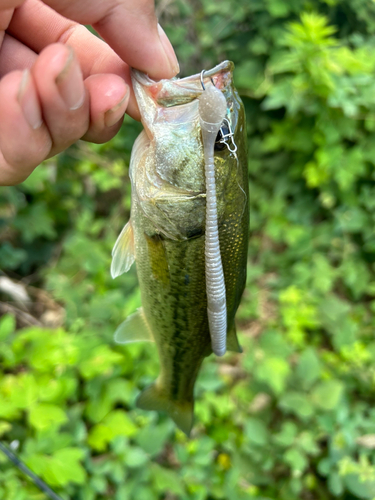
[123,252]
[134,329]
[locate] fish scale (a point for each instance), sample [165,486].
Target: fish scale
[166,234]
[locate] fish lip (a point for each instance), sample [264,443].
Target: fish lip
[168,93]
[223,67]
[145,80]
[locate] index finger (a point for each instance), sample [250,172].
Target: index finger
[36,25]
[129,27]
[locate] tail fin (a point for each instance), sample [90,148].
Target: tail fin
[182,412]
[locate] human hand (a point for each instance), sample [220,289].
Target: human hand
[60,83]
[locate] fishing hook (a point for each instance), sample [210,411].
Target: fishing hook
[202,83]
[224,136]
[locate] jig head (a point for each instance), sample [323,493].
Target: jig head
[225,133]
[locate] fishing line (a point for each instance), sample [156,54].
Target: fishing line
[22,467]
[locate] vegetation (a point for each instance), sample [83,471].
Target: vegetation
[293,417]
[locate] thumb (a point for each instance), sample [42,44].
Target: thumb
[130,27]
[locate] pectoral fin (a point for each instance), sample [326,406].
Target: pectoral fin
[134,329]
[232,340]
[182,412]
[123,252]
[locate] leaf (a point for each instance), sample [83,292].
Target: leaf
[21,390]
[117,423]
[8,409]
[298,404]
[360,487]
[10,257]
[46,350]
[152,439]
[4,427]
[7,326]
[307,442]
[296,460]
[97,408]
[324,274]
[60,469]
[166,480]
[99,436]
[326,395]
[308,368]
[66,466]
[44,416]
[256,431]
[120,390]
[335,317]
[98,484]
[335,484]
[100,362]
[287,434]
[35,222]
[274,371]
[135,457]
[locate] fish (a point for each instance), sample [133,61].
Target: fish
[167,233]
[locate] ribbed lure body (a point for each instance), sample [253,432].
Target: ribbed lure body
[212,110]
[168,238]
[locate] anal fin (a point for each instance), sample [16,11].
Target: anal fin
[123,254]
[232,340]
[134,329]
[181,412]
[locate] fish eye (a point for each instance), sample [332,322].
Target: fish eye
[224,130]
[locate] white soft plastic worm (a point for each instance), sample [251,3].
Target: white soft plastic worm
[212,111]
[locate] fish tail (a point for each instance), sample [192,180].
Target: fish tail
[182,412]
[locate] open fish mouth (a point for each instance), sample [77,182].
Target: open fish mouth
[177,91]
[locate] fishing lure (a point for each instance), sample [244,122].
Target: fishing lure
[212,110]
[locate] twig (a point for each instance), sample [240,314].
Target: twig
[22,467]
[25,318]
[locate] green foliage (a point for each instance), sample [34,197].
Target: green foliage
[292,418]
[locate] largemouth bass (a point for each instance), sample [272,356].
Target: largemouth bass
[168,229]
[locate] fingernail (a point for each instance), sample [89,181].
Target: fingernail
[113,115]
[29,102]
[70,83]
[169,52]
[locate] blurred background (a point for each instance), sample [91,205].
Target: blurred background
[293,417]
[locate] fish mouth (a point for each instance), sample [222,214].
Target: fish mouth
[183,90]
